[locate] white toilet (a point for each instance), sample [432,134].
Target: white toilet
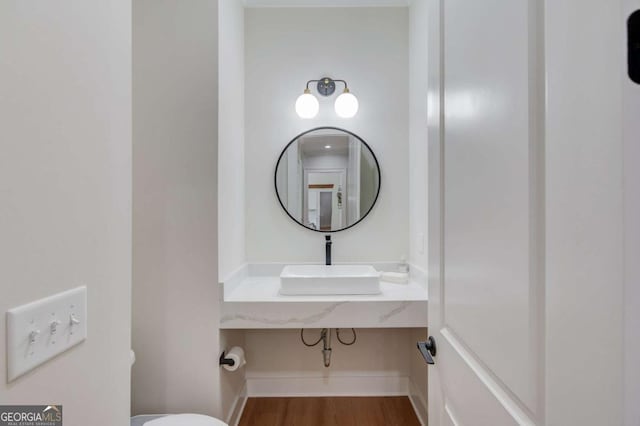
[174,419]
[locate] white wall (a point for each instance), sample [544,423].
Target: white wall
[418,165]
[65,185]
[584,214]
[281,354]
[231,172]
[231,176]
[337,161]
[232,384]
[418,372]
[418,88]
[175,270]
[369,47]
[285,47]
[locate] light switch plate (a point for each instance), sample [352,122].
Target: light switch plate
[40,330]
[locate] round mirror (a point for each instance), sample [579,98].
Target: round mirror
[327,179]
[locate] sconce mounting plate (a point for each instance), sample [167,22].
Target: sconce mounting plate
[326,86]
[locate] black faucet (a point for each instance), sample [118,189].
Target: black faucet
[327,250]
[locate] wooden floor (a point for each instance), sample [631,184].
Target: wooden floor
[329,411]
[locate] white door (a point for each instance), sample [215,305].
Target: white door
[483,309]
[525,212]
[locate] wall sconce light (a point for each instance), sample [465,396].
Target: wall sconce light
[307,105]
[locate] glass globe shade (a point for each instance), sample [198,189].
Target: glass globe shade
[346,105]
[307,106]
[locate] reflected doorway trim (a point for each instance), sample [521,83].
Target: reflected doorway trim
[307,186]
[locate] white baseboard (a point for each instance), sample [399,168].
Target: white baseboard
[332,386]
[419,405]
[238,407]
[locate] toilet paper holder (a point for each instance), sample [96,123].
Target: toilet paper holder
[226,361]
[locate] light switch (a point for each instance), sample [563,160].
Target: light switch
[38,331]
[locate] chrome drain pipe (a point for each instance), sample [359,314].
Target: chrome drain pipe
[325,338]
[326,346]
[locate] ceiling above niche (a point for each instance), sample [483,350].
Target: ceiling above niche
[325,3]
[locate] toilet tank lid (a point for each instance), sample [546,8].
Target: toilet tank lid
[186,420]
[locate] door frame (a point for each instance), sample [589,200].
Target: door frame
[305,191]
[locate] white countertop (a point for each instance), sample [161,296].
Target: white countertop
[251,299]
[266,289]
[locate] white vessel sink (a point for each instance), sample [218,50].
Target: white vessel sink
[329,280]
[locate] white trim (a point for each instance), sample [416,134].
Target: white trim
[342,172]
[502,395]
[452,417]
[235,414]
[236,273]
[261,269]
[419,405]
[323,386]
[259,4]
[233,280]
[418,274]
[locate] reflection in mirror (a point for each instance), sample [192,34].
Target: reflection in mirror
[327,179]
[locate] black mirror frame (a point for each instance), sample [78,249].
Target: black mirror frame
[275,178]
